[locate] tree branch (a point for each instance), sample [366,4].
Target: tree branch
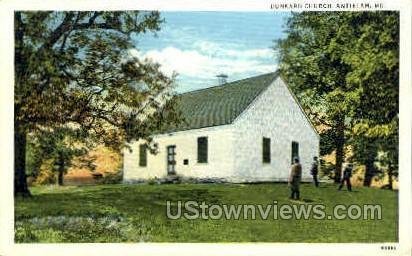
[316,118]
[66,35]
[59,31]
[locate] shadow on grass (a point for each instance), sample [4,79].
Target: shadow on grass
[306,200]
[111,201]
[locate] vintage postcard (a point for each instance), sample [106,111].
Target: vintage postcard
[181,127]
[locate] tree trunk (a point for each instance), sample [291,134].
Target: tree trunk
[60,171]
[20,179]
[390,178]
[369,172]
[60,178]
[340,143]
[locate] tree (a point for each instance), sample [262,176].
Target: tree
[365,151]
[61,146]
[372,52]
[389,159]
[316,75]
[74,69]
[377,144]
[344,68]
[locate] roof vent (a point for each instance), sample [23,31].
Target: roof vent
[222,78]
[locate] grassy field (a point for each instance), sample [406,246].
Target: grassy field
[137,213]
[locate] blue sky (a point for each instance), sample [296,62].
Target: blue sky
[200,45]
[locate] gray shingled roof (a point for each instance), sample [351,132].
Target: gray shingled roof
[219,105]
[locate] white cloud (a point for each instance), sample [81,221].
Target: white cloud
[252,53]
[208,59]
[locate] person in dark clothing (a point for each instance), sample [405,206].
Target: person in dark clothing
[347,173]
[314,171]
[294,179]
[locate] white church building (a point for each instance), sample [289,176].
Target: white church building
[243,131]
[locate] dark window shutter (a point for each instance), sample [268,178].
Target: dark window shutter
[202,150]
[143,155]
[266,150]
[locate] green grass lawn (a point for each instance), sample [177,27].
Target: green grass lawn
[137,213]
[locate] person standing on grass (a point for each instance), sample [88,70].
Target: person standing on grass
[294,179]
[314,171]
[347,173]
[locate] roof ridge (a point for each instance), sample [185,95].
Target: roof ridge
[229,83]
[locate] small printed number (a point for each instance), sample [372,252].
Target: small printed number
[388,247]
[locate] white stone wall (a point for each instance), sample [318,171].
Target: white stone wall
[220,155]
[277,116]
[235,151]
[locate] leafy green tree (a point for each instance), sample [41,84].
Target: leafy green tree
[389,160]
[378,144]
[373,56]
[365,151]
[74,69]
[343,66]
[62,146]
[316,75]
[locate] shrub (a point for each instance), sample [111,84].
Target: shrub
[152,181]
[111,178]
[327,169]
[46,176]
